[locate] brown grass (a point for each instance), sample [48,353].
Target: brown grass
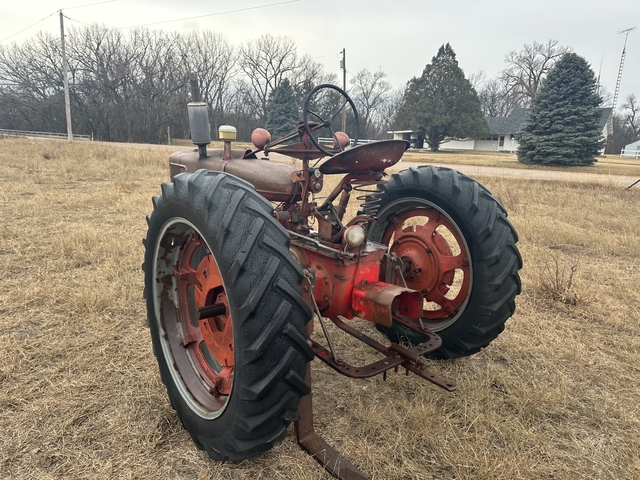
[555,396]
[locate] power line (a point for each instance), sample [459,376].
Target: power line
[326,56]
[27,28]
[78,21]
[211,14]
[68,8]
[89,4]
[152,23]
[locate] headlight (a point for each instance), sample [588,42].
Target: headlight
[354,235]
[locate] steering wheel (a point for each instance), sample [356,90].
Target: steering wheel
[314,121]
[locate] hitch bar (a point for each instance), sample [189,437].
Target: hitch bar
[395,356]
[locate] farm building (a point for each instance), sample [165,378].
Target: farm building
[502,133]
[632,150]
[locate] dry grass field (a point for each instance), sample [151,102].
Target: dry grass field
[556,396]
[610,165]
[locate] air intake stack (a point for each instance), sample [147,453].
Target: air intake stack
[199,126]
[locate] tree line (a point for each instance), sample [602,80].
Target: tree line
[132,86]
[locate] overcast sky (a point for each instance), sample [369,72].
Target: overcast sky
[398,37]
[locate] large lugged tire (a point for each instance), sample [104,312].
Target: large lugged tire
[235,378]
[458,249]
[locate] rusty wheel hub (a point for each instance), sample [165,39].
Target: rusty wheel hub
[435,260]
[209,341]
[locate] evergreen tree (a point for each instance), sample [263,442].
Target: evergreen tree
[442,103]
[564,125]
[283,114]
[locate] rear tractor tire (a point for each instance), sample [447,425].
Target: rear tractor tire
[227,321]
[457,248]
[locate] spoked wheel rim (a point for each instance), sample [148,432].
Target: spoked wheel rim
[435,258]
[199,346]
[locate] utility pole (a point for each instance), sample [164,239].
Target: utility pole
[343,66]
[65,75]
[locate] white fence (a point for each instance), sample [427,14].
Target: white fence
[28,134]
[630,153]
[329,141]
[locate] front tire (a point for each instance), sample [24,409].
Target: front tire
[458,248]
[234,375]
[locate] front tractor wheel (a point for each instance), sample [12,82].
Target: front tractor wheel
[455,245]
[227,321]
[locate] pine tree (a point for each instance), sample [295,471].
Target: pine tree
[283,112]
[441,103]
[564,124]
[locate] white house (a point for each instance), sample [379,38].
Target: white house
[632,150]
[502,133]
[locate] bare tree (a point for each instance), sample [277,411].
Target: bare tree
[132,86]
[370,92]
[31,76]
[389,109]
[492,98]
[625,124]
[526,69]
[103,82]
[266,62]
[160,84]
[631,115]
[478,79]
[496,99]
[239,108]
[212,59]
[308,75]
[606,96]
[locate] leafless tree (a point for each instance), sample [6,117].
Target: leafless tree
[132,86]
[240,111]
[308,75]
[496,99]
[31,76]
[526,69]
[631,115]
[492,98]
[370,91]
[389,109]
[606,96]
[266,62]
[212,59]
[477,79]
[102,91]
[626,125]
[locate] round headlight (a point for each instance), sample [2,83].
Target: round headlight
[354,235]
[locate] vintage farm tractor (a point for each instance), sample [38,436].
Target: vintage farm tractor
[242,253]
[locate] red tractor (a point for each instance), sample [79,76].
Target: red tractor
[242,253]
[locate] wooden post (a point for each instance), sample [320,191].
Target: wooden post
[65,76]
